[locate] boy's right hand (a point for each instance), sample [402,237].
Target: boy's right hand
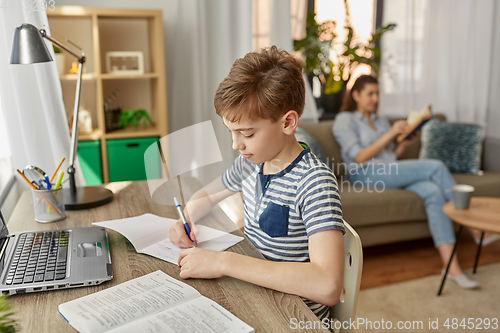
[178,237]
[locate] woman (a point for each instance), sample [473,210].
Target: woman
[367,141]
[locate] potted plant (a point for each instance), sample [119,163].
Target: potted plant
[134,118]
[7,323]
[337,60]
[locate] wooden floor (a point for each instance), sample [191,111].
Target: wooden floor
[387,264]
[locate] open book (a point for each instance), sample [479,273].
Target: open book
[416,119]
[149,235]
[154,302]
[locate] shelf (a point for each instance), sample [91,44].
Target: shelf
[99,31]
[74,77]
[130,132]
[95,135]
[129,76]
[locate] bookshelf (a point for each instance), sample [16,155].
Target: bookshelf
[101,30]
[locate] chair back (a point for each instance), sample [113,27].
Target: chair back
[345,309]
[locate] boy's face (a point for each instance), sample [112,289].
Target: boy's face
[259,141]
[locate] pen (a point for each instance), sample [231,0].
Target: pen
[49,186]
[183,218]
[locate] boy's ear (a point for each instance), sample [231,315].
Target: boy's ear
[290,122]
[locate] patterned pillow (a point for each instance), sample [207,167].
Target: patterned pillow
[458,145]
[302,135]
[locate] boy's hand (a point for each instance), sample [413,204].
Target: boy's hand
[200,263]
[177,234]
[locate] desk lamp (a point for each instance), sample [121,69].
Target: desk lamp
[29,48]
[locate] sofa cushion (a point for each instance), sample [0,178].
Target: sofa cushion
[362,207]
[458,145]
[486,185]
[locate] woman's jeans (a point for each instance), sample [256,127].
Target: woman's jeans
[429,179]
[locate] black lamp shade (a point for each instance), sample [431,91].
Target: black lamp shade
[28,46]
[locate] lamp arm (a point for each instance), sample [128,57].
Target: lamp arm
[61,45]
[74,131]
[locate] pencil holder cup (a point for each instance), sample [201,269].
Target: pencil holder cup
[49,205]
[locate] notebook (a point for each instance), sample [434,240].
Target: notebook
[155,302]
[34,261]
[148,233]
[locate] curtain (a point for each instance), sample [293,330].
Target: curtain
[443,53]
[6,170]
[208,37]
[282,33]
[32,104]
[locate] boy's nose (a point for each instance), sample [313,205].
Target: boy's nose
[237,144]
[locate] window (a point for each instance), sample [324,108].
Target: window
[361,19]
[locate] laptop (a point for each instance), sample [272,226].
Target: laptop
[32,261]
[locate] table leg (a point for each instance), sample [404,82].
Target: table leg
[451,257]
[478,252]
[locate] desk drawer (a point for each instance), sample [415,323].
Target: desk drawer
[126,159]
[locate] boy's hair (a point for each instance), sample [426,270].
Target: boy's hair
[263,84]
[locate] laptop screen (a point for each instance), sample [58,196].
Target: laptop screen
[3,231]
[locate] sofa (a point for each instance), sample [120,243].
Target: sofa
[396,215]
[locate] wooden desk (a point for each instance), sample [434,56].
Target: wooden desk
[483,214]
[264,309]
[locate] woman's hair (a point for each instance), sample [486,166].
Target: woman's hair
[264,84]
[349,104]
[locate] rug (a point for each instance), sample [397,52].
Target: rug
[414,306]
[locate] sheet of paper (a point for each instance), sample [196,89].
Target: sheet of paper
[142,230]
[209,239]
[126,302]
[149,235]
[199,315]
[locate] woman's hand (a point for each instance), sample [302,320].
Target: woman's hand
[200,263]
[403,145]
[398,127]
[177,234]
[408,141]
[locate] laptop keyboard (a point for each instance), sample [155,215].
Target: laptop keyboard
[39,257]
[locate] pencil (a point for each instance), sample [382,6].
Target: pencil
[27,180]
[33,187]
[55,172]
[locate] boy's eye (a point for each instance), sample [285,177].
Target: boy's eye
[248,136]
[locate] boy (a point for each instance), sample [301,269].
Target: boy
[291,201]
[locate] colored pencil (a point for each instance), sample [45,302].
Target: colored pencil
[55,172]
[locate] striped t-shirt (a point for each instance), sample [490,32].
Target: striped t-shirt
[282,210]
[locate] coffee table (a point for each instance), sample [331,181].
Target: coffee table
[483,214]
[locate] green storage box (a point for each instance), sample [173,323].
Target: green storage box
[126,160]
[89,155]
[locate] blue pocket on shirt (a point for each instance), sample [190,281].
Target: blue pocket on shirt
[274,220]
